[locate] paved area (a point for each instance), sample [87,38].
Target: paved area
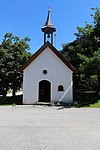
[49,128]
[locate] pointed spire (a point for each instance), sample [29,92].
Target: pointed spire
[48,29]
[48,21]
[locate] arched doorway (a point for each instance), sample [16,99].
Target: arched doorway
[44,91]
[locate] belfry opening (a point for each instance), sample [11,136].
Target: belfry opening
[48,30]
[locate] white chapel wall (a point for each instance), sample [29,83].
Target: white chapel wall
[57,74]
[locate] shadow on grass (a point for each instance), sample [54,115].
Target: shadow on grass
[11,100]
[82,99]
[86,98]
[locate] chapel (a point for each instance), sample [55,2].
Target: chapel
[47,75]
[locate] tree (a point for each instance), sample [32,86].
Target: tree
[3,72]
[84,53]
[14,53]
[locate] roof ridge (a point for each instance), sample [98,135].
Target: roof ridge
[37,53]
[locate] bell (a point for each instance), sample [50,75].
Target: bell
[48,36]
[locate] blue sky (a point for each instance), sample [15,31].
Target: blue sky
[26,17]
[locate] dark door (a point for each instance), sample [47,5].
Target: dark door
[44,91]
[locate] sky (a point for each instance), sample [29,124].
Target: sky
[26,17]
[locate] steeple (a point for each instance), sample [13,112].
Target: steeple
[48,29]
[48,22]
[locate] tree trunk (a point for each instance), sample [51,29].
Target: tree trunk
[99,80]
[14,89]
[77,82]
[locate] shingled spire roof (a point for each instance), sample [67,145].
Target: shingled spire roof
[48,24]
[48,29]
[48,21]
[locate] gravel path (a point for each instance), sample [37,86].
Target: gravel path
[49,128]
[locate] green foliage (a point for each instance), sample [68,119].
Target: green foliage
[17,100]
[85,99]
[95,105]
[13,53]
[84,54]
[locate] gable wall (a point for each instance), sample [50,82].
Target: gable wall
[58,73]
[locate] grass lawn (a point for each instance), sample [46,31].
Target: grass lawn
[95,105]
[88,99]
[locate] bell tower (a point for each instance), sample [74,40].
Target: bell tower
[48,29]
